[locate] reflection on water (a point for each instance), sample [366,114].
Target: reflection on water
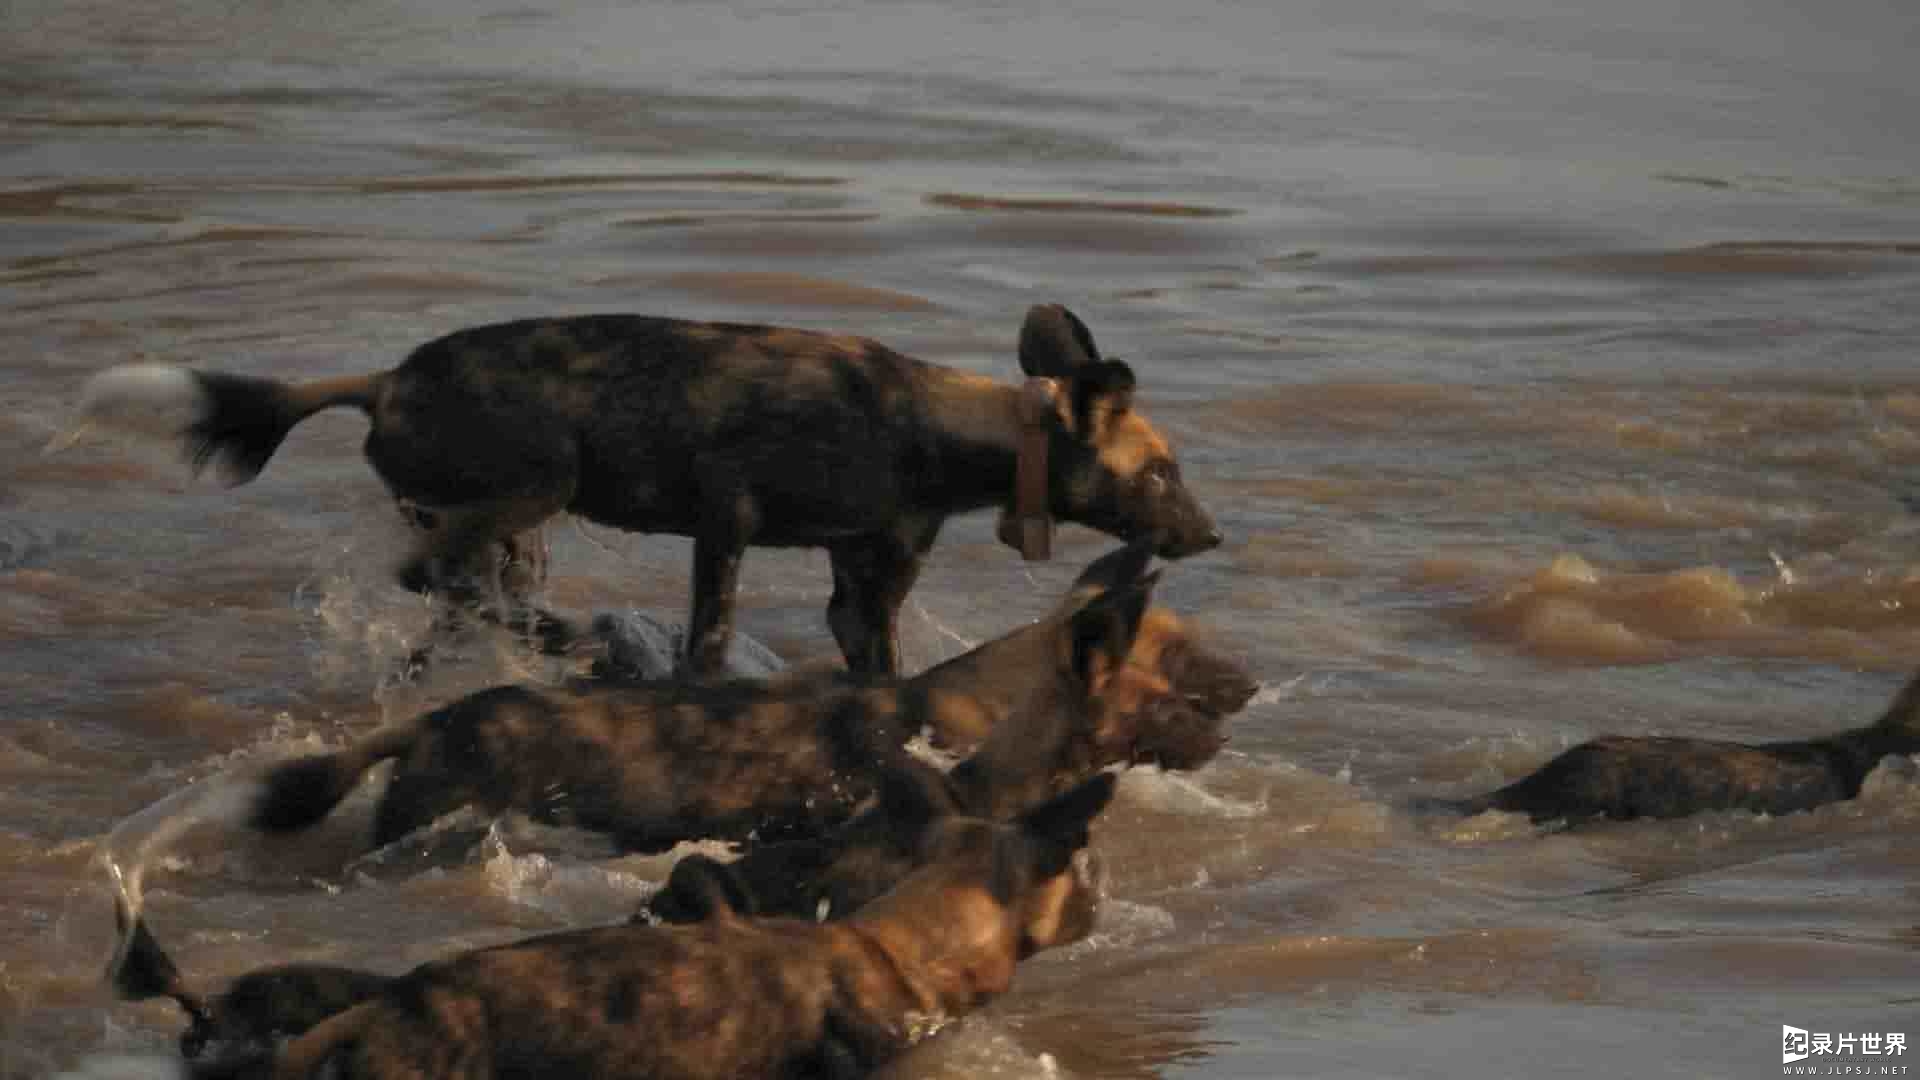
[1548,368]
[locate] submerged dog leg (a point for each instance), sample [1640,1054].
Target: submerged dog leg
[461,550]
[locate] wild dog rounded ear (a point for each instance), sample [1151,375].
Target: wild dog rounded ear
[1098,395]
[701,888]
[913,793]
[1121,566]
[1103,631]
[1054,342]
[1065,818]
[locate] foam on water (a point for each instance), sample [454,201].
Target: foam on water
[126,1067]
[574,893]
[1183,793]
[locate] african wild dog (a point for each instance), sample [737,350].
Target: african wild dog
[735,435]
[947,932]
[734,996]
[255,1010]
[655,764]
[1021,760]
[1625,776]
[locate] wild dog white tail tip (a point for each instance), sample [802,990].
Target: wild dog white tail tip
[148,399]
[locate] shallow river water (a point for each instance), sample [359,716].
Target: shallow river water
[1548,365]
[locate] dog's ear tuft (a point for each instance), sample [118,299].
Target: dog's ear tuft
[1066,818]
[1117,568]
[702,888]
[1101,393]
[1103,630]
[1054,342]
[1904,714]
[913,795]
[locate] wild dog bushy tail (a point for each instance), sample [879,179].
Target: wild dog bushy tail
[297,794]
[143,970]
[1904,714]
[234,421]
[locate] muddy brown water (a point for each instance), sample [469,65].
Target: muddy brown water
[1549,367]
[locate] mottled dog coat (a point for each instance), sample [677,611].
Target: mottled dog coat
[1021,762]
[732,996]
[1623,776]
[656,764]
[734,435]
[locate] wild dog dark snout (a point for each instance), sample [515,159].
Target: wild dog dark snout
[1130,483]
[1184,527]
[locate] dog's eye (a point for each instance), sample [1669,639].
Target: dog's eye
[1156,484]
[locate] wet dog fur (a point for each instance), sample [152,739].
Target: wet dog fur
[735,435]
[256,1010]
[655,764]
[1620,777]
[733,995]
[1023,760]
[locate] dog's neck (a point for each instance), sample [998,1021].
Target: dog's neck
[953,948]
[1897,731]
[1046,746]
[1900,724]
[975,430]
[969,695]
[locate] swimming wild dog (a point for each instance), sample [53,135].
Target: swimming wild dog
[654,764]
[1626,776]
[730,996]
[732,434]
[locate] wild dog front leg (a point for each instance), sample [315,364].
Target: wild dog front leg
[872,576]
[717,550]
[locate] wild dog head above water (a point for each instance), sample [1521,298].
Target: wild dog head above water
[1047,745]
[654,764]
[1166,705]
[1109,468]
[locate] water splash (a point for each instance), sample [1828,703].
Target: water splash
[146,836]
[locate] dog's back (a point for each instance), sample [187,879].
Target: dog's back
[638,418]
[735,997]
[1623,777]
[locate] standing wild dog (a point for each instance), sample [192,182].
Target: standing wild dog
[655,764]
[1626,776]
[1026,870]
[734,435]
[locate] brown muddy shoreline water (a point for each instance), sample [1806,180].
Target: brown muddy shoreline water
[1549,366]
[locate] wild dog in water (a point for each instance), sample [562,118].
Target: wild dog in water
[655,764]
[985,898]
[255,1010]
[1024,759]
[1625,776]
[734,435]
[735,996]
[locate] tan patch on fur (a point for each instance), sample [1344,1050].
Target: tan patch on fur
[785,341]
[1159,630]
[961,720]
[1047,912]
[1129,443]
[976,408]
